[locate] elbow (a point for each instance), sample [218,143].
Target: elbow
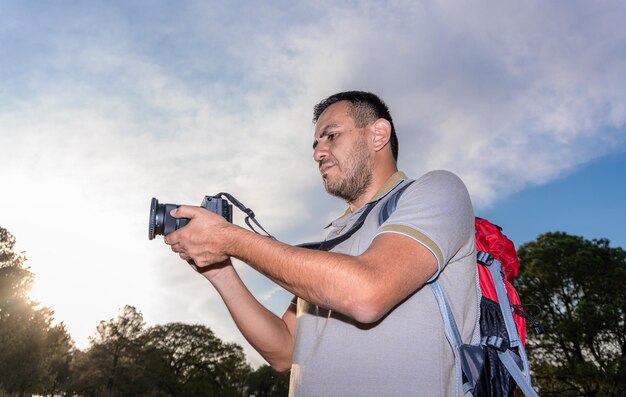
[368,308]
[281,365]
[280,361]
[368,315]
[281,368]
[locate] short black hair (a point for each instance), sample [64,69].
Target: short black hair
[365,107]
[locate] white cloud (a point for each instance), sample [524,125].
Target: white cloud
[267,295]
[505,95]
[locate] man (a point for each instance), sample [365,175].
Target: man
[363,323]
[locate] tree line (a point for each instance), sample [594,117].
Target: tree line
[124,358]
[576,286]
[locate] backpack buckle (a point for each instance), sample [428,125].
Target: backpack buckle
[495,342]
[484,258]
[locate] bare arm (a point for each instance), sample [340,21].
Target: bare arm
[363,287]
[269,334]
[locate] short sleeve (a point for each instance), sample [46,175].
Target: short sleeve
[436,211]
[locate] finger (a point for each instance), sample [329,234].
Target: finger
[185,211]
[177,248]
[173,238]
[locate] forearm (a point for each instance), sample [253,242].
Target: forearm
[266,332]
[334,281]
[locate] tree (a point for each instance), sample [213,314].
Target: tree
[267,382]
[33,352]
[15,280]
[114,365]
[60,354]
[579,286]
[194,362]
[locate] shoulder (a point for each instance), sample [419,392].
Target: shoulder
[439,183]
[437,201]
[441,177]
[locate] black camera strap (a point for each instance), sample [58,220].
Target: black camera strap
[249,213]
[390,206]
[330,244]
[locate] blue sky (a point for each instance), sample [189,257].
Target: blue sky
[104,105]
[589,202]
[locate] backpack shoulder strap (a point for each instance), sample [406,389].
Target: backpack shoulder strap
[392,203]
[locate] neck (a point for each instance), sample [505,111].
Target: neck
[380,175]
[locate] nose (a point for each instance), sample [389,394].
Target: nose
[320,152]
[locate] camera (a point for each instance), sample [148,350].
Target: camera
[162,223]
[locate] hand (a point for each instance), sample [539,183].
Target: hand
[203,239]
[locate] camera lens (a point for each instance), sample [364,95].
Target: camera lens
[155,227]
[161,222]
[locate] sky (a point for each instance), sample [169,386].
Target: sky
[104,105]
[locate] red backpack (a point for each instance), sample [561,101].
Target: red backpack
[489,238]
[502,320]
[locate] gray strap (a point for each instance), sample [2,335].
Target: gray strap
[452,332]
[454,338]
[508,359]
[495,268]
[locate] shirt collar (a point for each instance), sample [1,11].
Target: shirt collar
[389,184]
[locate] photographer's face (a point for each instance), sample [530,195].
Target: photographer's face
[343,153]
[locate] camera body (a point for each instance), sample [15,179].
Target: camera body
[162,223]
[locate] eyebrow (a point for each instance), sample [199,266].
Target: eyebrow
[324,133]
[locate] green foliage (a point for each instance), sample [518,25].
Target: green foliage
[34,354]
[196,363]
[175,359]
[114,364]
[266,382]
[579,285]
[15,280]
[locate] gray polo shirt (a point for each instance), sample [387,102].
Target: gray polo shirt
[406,353]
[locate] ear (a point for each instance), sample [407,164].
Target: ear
[381,133]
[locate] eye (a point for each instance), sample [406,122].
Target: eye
[326,137]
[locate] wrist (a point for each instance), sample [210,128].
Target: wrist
[223,277]
[230,236]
